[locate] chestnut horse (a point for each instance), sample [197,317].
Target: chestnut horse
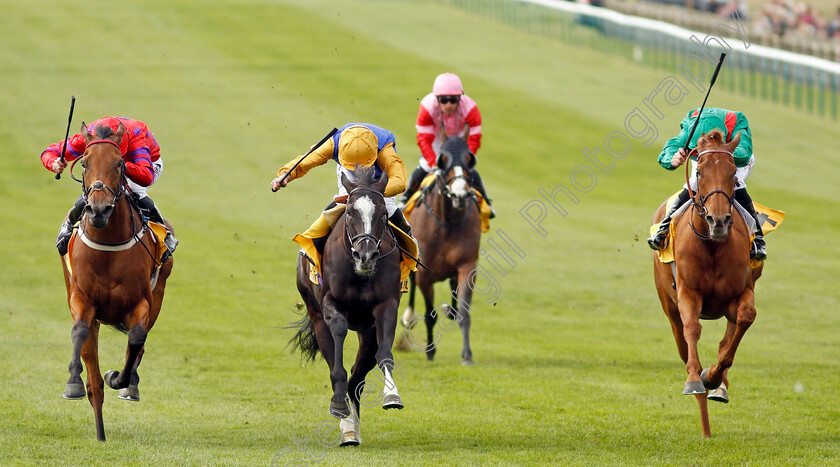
[360,291]
[112,274]
[714,277]
[448,229]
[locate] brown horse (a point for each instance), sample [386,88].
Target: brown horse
[113,270]
[360,291]
[714,277]
[448,228]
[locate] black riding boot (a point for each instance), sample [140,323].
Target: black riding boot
[413,184]
[478,184]
[759,248]
[398,219]
[657,242]
[150,210]
[66,230]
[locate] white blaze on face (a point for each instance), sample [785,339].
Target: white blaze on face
[459,186]
[365,207]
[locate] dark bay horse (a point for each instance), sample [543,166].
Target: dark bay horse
[448,228]
[714,277]
[112,274]
[360,291]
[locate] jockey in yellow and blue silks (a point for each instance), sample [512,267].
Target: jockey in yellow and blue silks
[354,144]
[729,123]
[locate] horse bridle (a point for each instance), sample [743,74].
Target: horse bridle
[445,182]
[354,240]
[116,196]
[698,200]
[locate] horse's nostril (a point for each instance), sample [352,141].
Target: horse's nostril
[710,219]
[727,220]
[356,255]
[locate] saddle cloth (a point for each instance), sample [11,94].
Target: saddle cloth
[483,207]
[770,218]
[319,230]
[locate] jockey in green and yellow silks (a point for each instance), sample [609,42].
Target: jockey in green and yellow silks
[354,144]
[730,123]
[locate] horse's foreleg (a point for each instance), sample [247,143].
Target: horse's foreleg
[386,324]
[75,388]
[745,316]
[338,375]
[463,292]
[428,291]
[689,308]
[138,324]
[95,386]
[132,392]
[365,361]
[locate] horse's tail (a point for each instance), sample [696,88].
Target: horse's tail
[305,339]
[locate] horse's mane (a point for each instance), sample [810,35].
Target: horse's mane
[103,131]
[366,176]
[713,138]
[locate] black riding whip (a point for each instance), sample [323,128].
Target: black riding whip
[712,83]
[67,133]
[318,145]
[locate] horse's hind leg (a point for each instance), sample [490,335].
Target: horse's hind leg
[95,386]
[75,388]
[365,361]
[408,315]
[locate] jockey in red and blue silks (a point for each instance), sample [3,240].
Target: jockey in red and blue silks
[449,108]
[143,166]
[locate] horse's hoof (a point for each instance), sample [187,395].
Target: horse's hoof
[74,391]
[719,394]
[704,377]
[467,362]
[111,377]
[350,438]
[131,393]
[392,401]
[339,410]
[694,387]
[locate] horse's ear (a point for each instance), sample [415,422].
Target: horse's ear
[470,160]
[120,132]
[466,133]
[85,133]
[730,146]
[381,183]
[703,140]
[348,185]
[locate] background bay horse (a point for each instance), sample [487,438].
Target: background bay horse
[111,280]
[360,291]
[714,278]
[447,225]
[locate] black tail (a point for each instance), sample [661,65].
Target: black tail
[304,340]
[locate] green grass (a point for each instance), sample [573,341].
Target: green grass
[575,360]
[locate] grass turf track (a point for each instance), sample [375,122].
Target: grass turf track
[575,360]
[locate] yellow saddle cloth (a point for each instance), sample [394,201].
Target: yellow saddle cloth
[483,207]
[158,229]
[770,218]
[321,229]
